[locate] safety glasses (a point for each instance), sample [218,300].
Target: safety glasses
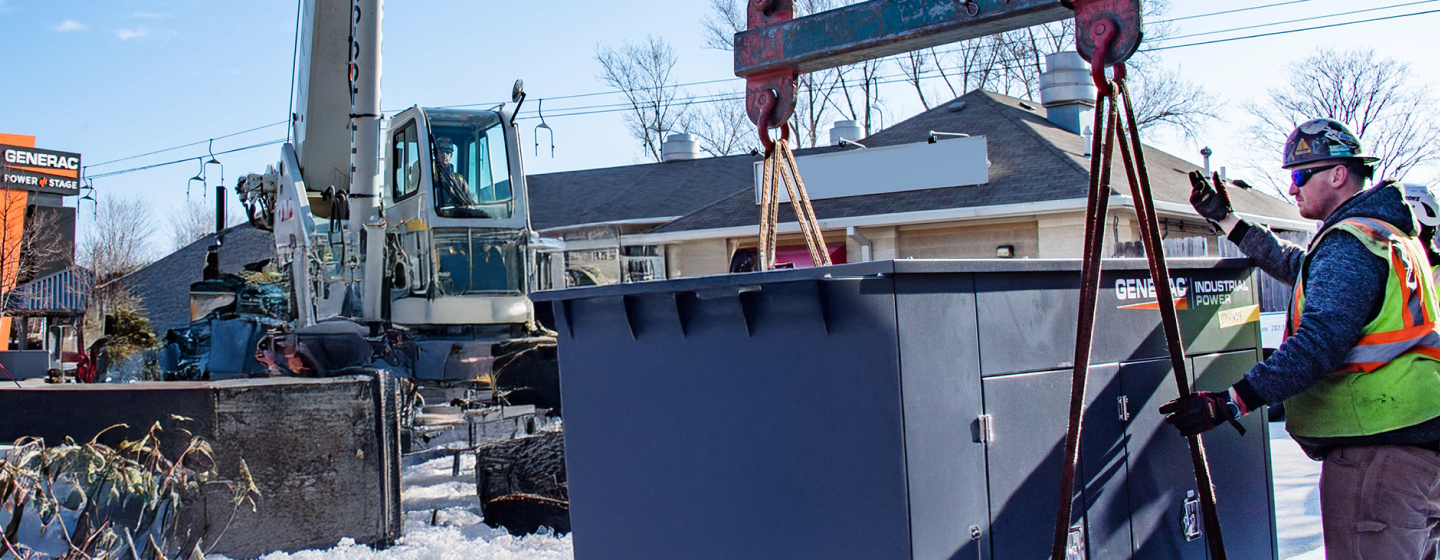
[1298,177]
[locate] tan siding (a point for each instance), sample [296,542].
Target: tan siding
[968,242]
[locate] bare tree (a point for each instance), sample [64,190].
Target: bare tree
[1394,115]
[118,241]
[30,240]
[643,73]
[196,221]
[1164,98]
[722,127]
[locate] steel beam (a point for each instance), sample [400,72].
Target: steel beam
[881,28]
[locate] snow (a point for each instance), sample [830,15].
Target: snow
[1297,498]
[443,521]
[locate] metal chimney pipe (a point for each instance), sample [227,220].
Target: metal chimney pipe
[219,211]
[1205,153]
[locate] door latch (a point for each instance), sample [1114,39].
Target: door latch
[1123,403]
[1190,520]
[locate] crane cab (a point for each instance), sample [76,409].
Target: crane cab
[457,219]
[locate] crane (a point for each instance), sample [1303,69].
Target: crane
[423,256]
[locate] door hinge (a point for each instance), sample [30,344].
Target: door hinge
[1123,403]
[1190,518]
[984,429]
[1075,544]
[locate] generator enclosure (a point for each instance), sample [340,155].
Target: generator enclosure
[908,409]
[324,453]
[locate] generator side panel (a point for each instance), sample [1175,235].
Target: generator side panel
[944,447]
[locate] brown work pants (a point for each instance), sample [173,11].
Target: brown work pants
[1380,502]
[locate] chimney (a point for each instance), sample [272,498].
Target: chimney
[1205,153]
[1066,90]
[679,147]
[848,130]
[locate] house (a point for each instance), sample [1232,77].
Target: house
[1030,204]
[162,289]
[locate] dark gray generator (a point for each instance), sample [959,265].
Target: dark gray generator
[910,409]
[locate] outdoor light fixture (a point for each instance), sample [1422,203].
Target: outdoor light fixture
[1005,252]
[849,142]
[933,134]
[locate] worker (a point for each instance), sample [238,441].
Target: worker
[451,189]
[1358,370]
[1427,212]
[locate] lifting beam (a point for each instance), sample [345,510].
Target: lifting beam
[776,47]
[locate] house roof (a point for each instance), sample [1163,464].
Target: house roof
[163,287]
[1032,160]
[633,192]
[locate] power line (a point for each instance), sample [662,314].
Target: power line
[1288,31]
[189,159]
[183,146]
[1312,18]
[1198,16]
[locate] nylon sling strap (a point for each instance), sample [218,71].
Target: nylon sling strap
[780,167]
[1107,112]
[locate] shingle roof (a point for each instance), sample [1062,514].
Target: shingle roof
[654,190]
[163,287]
[1032,160]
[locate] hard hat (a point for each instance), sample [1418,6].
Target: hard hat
[1322,139]
[1422,203]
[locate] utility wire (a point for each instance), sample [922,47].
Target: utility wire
[184,146]
[1198,16]
[152,166]
[1288,31]
[1312,18]
[617,107]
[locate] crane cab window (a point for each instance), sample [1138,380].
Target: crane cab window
[405,158]
[471,172]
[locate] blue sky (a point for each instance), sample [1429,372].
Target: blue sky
[123,77]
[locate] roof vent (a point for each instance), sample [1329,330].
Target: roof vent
[845,130]
[679,147]
[956,106]
[1066,89]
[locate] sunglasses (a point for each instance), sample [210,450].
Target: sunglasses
[1298,177]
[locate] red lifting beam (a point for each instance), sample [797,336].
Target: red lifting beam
[776,48]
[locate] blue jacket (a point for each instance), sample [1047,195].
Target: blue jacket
[1343,292]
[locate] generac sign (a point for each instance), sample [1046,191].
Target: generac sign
[39,170]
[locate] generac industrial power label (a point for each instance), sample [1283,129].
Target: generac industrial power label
[1189,294]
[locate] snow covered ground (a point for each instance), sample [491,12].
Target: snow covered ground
[442,522]
[442,517]
[1297,497]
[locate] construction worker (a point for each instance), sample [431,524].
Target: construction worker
[1359,370]
[451,189]
[1427,212]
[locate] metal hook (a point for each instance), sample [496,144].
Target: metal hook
[199,176]
[211,149]
[540,108]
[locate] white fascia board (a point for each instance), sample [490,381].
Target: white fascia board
[947,215]
[896,219]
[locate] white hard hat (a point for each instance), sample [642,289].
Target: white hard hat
[1422,203]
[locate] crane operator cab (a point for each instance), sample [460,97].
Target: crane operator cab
[456,221]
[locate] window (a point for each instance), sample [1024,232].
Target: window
[405,162]
[471,166]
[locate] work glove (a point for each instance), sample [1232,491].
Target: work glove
[1212,202]
[1197,413]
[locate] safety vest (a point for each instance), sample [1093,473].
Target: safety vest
[1391,377]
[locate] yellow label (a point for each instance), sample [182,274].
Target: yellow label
[1302,147]
[1238,316]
